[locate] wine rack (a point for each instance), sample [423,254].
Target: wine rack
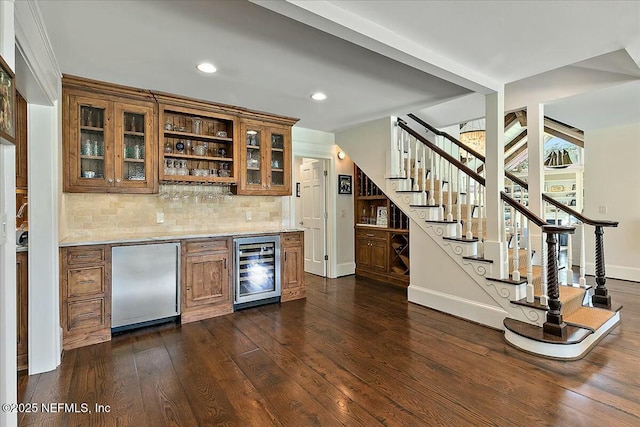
[382,254]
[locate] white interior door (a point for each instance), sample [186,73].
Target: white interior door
[313,216]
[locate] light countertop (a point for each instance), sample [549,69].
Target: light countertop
[142,238]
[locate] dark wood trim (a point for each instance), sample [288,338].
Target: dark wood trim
[562,135]
[515,154]
[522,135]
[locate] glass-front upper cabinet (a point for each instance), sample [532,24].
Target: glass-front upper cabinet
[266,159]
[254,157]
[108,144]
[279,163]
[134,160]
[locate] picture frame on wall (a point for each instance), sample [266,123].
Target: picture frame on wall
[7,103]
[344,184]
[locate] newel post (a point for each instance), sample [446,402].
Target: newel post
[601,297]
[554,324]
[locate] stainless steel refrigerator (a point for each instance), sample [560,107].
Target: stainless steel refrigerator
[145,284]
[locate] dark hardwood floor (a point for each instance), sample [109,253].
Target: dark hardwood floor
[353,353]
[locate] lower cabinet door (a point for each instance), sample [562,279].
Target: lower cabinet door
[379,256]
[207,280]
[363,253]
[88,313]
[293,267]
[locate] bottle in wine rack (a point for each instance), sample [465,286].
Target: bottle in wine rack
[393,216]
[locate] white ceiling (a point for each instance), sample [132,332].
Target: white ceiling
[372,58]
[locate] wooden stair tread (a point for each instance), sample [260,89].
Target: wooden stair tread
[589,317]
[575,334]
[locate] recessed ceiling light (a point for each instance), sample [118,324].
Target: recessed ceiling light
[205,67]
[318,96]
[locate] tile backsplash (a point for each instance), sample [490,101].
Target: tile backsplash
[186,209]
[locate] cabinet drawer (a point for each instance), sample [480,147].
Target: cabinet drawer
[371,234]
[85,281]
[88,313]
[291,238]
[90,255]
[207,245]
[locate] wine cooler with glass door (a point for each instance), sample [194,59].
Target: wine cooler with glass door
[257,271]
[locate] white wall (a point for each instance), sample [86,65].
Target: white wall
[367,144]
[8,366]
[321,145]
[611,177]
[345,220]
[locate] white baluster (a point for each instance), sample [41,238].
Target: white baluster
[469,234]
[403,137]
[396,152]
[544,299]
[459,206]
[515,275]
[582,281]
[432,199]
[570,261]
[530,289]
[480,220]
[449,195]
[416,167]
[423,200]
[441,189]
[408,162]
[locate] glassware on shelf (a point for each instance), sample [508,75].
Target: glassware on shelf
[168,125]
[169,167]
[89,118]
[200,149]
[87,148]
[197,125]
[252,162]
[180,147]
[168,147]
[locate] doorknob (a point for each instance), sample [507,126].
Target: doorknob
[301,223]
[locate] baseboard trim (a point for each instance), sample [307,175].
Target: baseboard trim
[616,272]
[561,351]
[345,269]
[469,310]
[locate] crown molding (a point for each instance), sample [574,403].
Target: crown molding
[33,43]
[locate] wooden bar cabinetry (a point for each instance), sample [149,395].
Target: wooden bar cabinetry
[206,284]
[109,139]
[265,158]
[22,308]
[292,259]
[381,234]
[197,145]
[85,295]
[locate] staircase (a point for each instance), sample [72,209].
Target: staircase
[507,284]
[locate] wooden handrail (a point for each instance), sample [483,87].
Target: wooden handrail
[517,180]
[446,135]
[442,153]
[547,228]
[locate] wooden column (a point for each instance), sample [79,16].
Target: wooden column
[554,324]
[601,297]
